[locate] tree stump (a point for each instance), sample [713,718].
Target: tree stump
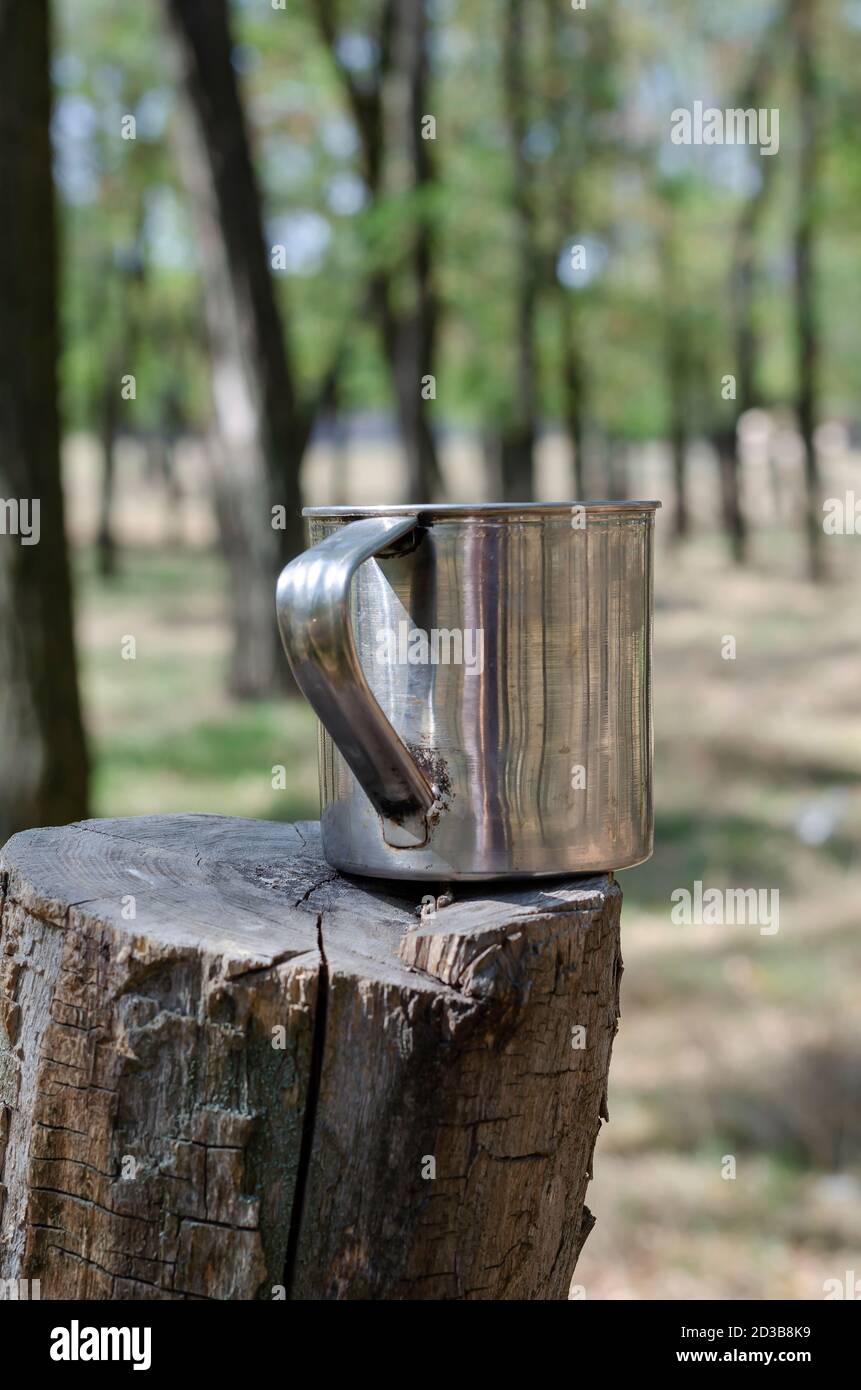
[229,1072]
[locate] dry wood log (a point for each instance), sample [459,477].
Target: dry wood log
[228,1072]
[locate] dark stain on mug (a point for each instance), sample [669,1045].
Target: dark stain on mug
[435,768]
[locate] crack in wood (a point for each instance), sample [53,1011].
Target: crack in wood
[296,1159]
[310,1117]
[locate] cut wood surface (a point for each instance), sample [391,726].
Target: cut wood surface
[229,1072]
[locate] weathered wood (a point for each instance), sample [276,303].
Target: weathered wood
[228,1072]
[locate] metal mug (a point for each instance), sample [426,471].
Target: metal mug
[483,678]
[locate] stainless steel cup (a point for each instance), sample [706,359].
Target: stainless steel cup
[483,678]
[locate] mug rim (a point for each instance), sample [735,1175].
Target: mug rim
[479,509]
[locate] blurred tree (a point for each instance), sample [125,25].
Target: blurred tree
[745,274]
[412,330]
[677,351]
[566,176]
[115,183]
[519,432]
[806,29]
[43,758]
[261,426]
[123,310]
[408,254]
[388,101]
[579,81]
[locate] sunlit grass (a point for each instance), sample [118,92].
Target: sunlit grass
[165,736]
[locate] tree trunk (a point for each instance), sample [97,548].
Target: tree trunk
[407,341]
[294,1086]
[676,368]
[412,345]
[260,428]
[126,323]
[678,454]
[574,382]
[726,438]
[743,280]
[388,115]
[572,101]
[807,334]
[726,446]
[518,444]
[106,546]
[43,760]
[617,469]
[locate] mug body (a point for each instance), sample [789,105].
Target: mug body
[510,648]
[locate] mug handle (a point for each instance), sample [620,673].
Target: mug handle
[313,607]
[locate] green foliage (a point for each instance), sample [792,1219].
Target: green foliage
[601,171]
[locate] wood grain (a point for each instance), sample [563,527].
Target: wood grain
[273,1081]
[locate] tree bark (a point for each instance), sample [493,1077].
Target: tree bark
[230,1073]
[574,386]
[518,442]
[43,758]
[123,309]
[412,336]
[108,406]
[260,427]
[726,446]
[580,86]
[805,22]
[676,367]
[743,283]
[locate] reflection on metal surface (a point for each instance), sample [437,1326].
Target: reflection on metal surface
[526,751]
